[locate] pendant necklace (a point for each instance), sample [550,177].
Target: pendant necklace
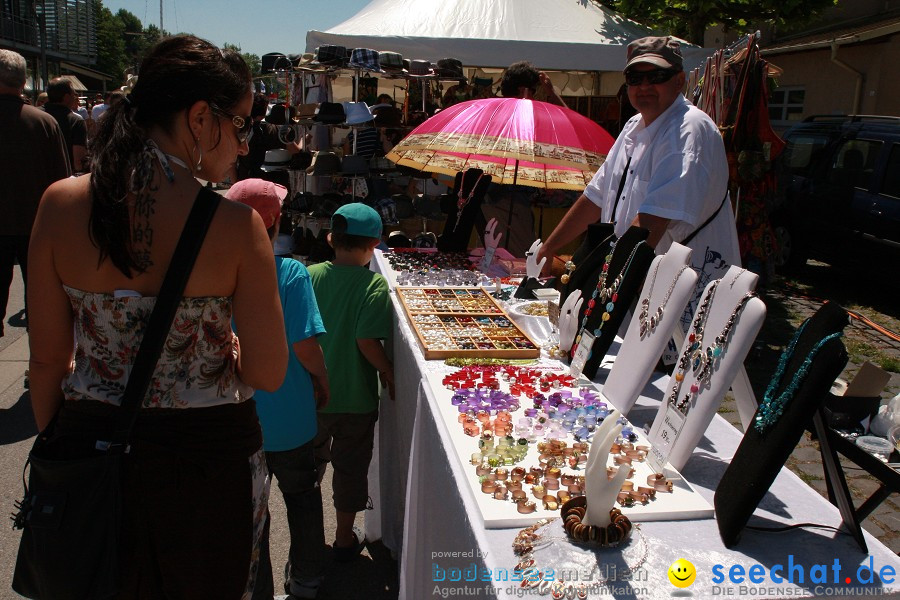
[461,202]
[770,408]
[606,296]
[649,322]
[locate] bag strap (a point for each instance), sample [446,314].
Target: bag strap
[612,217]
[688,239]
[161,318]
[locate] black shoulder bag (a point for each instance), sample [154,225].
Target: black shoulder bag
[71,512]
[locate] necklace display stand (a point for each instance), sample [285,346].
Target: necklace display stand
[470,186]
[701,406]
[638,353]
[629,264]
[583,268]
[797,393]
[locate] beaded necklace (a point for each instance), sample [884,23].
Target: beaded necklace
[461,202]
[770,408]
[607,296]
[702,360]
[648,322]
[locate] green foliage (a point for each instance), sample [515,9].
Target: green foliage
[253,61]
[111,55]
[689,19]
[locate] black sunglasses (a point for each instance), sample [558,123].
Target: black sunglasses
[243,124]
[653,77]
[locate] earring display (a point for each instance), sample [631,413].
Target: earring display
[463,322]
[522,436]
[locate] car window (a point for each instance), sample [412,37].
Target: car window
[891,185]
[803,152]
[854,163]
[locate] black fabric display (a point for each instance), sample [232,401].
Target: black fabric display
[72,509]
[455,237]
[760,456]
[627,293]
[588,259]
[527,286]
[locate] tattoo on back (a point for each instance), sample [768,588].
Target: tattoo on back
[142,231]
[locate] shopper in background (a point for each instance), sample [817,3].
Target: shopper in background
[195,482]
[356,309]
[61,105]
[264,137]
[34,156]
[288,415]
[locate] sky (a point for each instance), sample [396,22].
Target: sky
[257,26]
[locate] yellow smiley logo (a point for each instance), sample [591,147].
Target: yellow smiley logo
[682,573]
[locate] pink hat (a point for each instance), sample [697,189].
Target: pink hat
[263,196]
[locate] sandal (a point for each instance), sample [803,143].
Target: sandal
[345,554]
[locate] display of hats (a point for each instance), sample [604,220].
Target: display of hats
[303,61]
[306,112]
[330,113]
[357,113]
[276,160]
[365,59]
[427,206]
[426,239]
[331,56]
[388,211]
[420,68]
[274,61]
[404,206]
[397,239]
[302,202]
[324,163]
[450,68]
[406,64]
[327,204]
[387,115]
[354,165]
[391,62]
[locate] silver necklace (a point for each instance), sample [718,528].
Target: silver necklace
[649,322]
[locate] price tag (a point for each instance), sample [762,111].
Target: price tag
[487,259]
[553,313]
[582,354]
[661,444]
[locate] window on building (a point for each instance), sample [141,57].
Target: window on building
[786,105]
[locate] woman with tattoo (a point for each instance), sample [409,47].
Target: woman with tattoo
[195,477]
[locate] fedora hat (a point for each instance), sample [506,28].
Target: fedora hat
[281,114]
[380,164]
[306,112]
[420,68]
[276,160]
[303,61]
[365,59]
[391,62]
[450,68]
[330,113]
[354,164]
[324,163]
[388,211]
[329,55]
[357,113]
[274,61]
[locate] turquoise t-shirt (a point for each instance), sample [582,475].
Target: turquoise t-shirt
[288,415]
[355,304]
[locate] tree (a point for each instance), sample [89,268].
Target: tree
[689,19]
[111,55]
[253,61]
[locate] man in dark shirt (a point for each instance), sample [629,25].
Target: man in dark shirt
[61,104]
[265,137]
[32,156]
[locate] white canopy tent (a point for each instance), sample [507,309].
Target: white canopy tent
[564,35]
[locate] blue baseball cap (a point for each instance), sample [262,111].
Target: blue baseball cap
[362,220]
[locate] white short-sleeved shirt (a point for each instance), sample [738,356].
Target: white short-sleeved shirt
[679,172]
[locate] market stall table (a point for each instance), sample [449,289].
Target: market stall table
[434,525]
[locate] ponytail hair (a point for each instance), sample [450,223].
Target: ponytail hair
[178,72]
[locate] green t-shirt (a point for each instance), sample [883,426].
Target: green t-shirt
[355,304]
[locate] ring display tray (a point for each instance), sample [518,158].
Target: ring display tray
[683,503]
[463,322]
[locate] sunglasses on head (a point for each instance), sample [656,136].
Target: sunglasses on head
[654,76]
[242,124]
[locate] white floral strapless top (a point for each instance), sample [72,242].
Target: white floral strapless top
[196,365]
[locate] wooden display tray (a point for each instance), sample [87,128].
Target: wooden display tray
[505,344]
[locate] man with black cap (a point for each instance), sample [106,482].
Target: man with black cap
[667,171]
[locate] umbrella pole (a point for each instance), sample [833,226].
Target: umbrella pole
[509,216]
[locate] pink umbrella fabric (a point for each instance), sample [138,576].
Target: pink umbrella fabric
[514,140]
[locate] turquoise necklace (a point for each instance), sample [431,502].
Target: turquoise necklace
[770,408]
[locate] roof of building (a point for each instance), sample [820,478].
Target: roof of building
[841,34]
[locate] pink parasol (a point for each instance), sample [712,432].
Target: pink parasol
[516,141]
